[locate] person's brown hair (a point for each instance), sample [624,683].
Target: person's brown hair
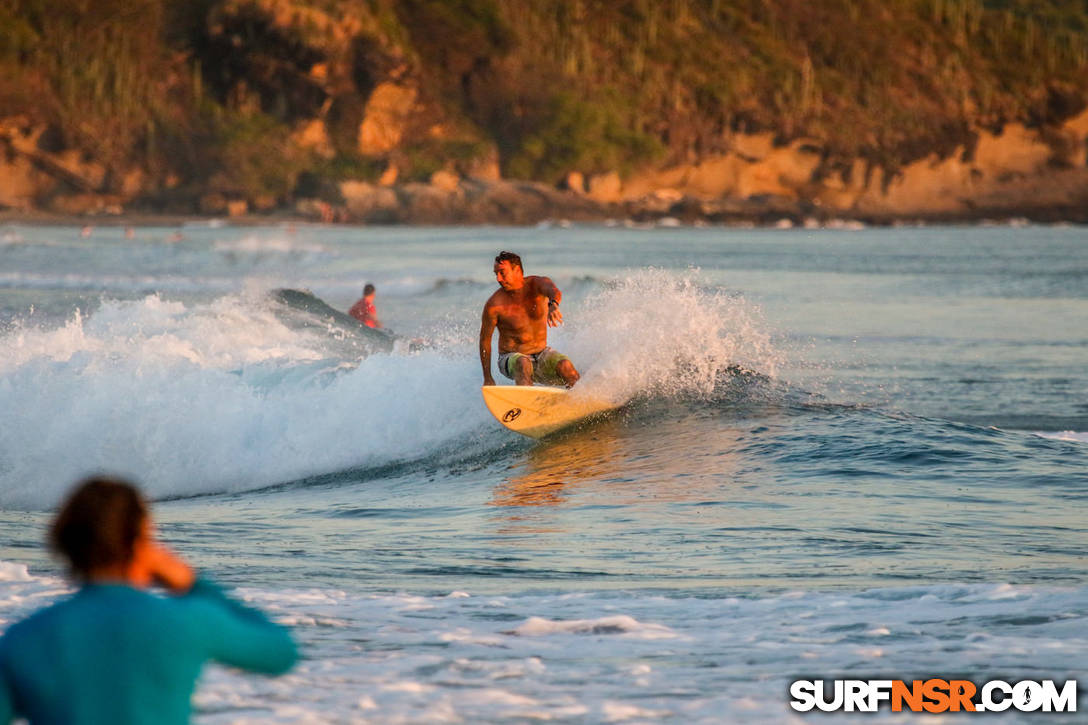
[98,525]
[510,257]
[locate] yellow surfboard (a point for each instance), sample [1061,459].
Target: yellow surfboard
[537,410]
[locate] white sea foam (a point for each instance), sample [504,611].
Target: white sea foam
[260,244]
[1065,435]
[621,712]
[729,660]
[214,397]
[616,624]
[21,592]
[10,572]
[115,283]
[656,332]
[10,236]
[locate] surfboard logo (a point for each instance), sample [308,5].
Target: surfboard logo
[511,415]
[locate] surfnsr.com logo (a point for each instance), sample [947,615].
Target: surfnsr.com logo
[933,695]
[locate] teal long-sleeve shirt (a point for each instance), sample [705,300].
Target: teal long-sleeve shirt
[115,654]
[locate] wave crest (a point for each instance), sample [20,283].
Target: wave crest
[656,333]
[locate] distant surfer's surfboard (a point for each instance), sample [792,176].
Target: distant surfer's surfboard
[314,312]
[537,410]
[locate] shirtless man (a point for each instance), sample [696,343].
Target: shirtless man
[523,309]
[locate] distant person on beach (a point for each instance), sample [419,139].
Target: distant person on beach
[523,308]
[114,652]
[364,310]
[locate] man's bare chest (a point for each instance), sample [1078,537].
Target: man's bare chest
[523,312]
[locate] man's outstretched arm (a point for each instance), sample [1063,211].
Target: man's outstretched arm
[546,287]
[487,328]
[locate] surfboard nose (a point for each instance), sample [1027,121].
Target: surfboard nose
[537,410]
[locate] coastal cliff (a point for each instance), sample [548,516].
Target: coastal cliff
[511,111]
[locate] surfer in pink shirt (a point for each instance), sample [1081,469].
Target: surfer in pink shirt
[364,310]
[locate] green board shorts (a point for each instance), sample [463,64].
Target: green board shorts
[545,365]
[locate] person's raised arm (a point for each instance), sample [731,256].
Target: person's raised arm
[487,329]
[546,287]
[234,634]
[237,635]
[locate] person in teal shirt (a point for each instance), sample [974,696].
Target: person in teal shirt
[115,652]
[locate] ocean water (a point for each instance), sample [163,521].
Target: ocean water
[843,453]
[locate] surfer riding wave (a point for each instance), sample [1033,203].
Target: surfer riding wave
[522,309]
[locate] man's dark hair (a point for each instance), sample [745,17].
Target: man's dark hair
[368,290]
[98,525]
[510,257]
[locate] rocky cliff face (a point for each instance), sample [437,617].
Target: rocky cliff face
[1017,172]
[1014,171]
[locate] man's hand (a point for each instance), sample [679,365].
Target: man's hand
[555,317]
[488,380]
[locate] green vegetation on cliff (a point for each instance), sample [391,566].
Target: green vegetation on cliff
[251,98]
